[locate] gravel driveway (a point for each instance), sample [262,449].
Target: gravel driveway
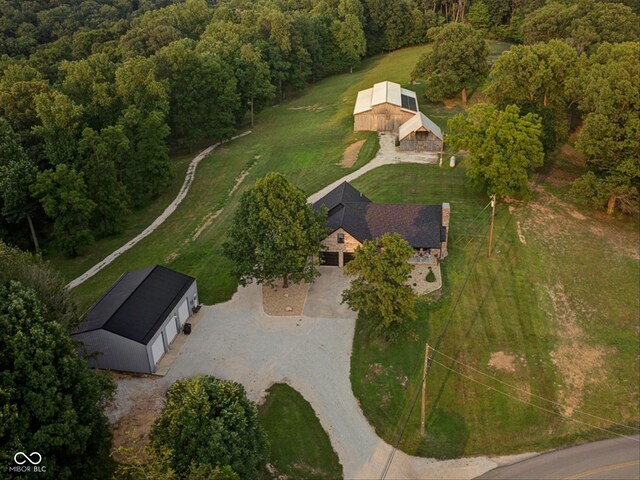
[236,341]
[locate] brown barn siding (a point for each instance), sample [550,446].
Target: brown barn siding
[418,142]
[381,118]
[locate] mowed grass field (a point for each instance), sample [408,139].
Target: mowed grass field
[300,448]
[303,138]
[551,315]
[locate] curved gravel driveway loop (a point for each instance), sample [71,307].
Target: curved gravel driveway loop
[237,341]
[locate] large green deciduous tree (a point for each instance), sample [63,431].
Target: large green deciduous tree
[100,155]
[620,188]
[609,91]
[146,169]
[275,234]
[90,82]
[59,126]
[19,86]
[202,93]
[457,59]
[208,423]
[64,198]
[379,289]
[533,74]
[610,101]
[50,401]
[502,146]
[349,33]
[538,79]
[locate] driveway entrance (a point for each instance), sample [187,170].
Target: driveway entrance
[325,295]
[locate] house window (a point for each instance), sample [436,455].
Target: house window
[341,238]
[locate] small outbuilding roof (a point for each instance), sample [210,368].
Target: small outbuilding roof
[386,92]
[419,122]
[138,303]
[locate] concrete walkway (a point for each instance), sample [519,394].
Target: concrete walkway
[237,341]
[188,179]
[387,155]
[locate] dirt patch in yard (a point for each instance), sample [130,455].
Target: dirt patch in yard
[316,107]
[578,363]
[521,236]
[206,223]
[503,361]
[350,154]
[552,220]
[284,302]
[451,102]
[139,402]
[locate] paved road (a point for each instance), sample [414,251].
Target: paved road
[615,459]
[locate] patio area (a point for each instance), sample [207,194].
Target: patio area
[425,277]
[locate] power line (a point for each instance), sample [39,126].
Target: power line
[474,222]
[533,404]
[533,394]
[385,470]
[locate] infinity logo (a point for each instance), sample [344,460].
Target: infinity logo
[30,458]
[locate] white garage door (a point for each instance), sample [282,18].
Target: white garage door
[183,312]
[171,330]
[157,349]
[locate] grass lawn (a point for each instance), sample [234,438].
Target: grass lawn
[563,307]
[300,448]
[303,138]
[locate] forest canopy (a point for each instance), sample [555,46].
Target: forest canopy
[95,94]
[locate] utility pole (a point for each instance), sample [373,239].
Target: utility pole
[251,103]
[493,214]
[424,388]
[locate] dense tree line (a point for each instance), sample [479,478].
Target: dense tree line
[94,93]
[51,402]
[90,106]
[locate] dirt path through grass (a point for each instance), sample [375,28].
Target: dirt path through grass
[188,179]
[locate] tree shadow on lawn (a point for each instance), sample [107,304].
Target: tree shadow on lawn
[446,435]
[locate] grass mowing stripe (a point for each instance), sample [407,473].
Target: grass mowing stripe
[566,417]
[533,394]
[430,358]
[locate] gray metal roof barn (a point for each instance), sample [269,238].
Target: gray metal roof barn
[134,323]
[384,107]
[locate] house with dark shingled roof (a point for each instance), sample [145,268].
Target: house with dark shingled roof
[353,218]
